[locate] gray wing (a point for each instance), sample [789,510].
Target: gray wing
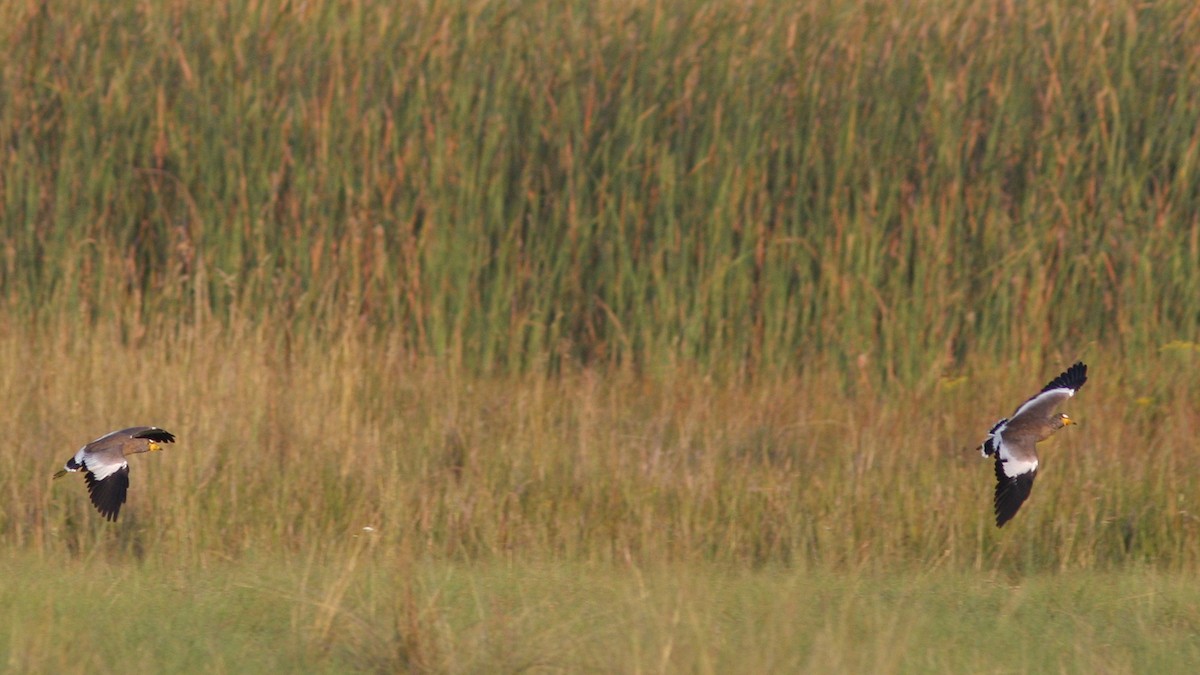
[1037,410]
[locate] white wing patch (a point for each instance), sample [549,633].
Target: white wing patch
[102,469]
[1014,467]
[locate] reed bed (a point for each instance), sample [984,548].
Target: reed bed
[515,187]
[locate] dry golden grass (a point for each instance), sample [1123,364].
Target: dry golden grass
[286,444]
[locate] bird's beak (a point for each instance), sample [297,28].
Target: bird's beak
[155,447]
[60,473]
[1067,421]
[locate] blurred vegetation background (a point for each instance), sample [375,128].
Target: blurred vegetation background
[516,187]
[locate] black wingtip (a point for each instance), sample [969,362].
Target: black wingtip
[1071,378]
[109,494]
[157,435]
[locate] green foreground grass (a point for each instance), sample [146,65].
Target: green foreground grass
[357,610]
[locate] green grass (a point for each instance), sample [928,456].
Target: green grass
[644,336]
[361,610]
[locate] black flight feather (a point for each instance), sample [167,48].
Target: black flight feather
[157,435]
[1072,378]
[1011,493]
[109,494]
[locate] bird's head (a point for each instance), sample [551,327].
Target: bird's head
[1065,420]
[154,446]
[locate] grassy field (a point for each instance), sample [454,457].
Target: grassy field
[599,336]
[343,509]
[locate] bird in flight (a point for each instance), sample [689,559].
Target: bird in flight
[105,469]
[1013,439]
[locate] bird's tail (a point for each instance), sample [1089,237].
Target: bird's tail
[989,446]
[71,465]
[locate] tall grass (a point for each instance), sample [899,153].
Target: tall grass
[283,449]
[510,187]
